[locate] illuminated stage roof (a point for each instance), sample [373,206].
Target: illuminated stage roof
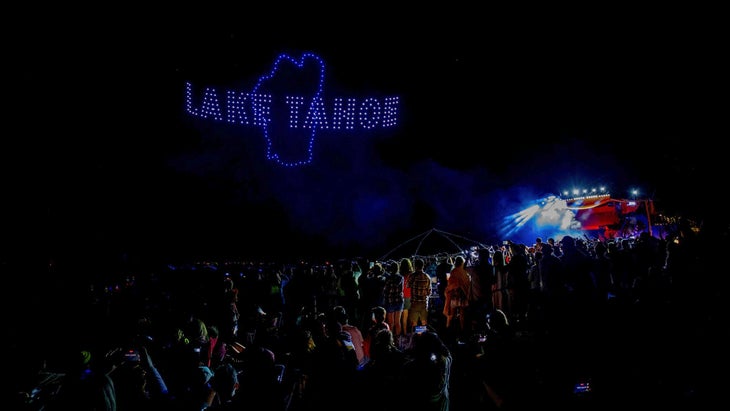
[600,211]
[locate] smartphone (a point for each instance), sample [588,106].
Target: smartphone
[582,387]
[419,329]
[131,356]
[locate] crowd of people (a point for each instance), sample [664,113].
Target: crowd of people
[566,323]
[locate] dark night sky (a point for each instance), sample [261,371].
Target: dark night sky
[494,111]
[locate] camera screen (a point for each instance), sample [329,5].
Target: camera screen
[582,387]
[418,329]
[131,356]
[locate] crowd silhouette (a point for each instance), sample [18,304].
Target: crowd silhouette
[573,323]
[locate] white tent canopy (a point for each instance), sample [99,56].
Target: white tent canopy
[432,243]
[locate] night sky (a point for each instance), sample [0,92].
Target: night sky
[101,157]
